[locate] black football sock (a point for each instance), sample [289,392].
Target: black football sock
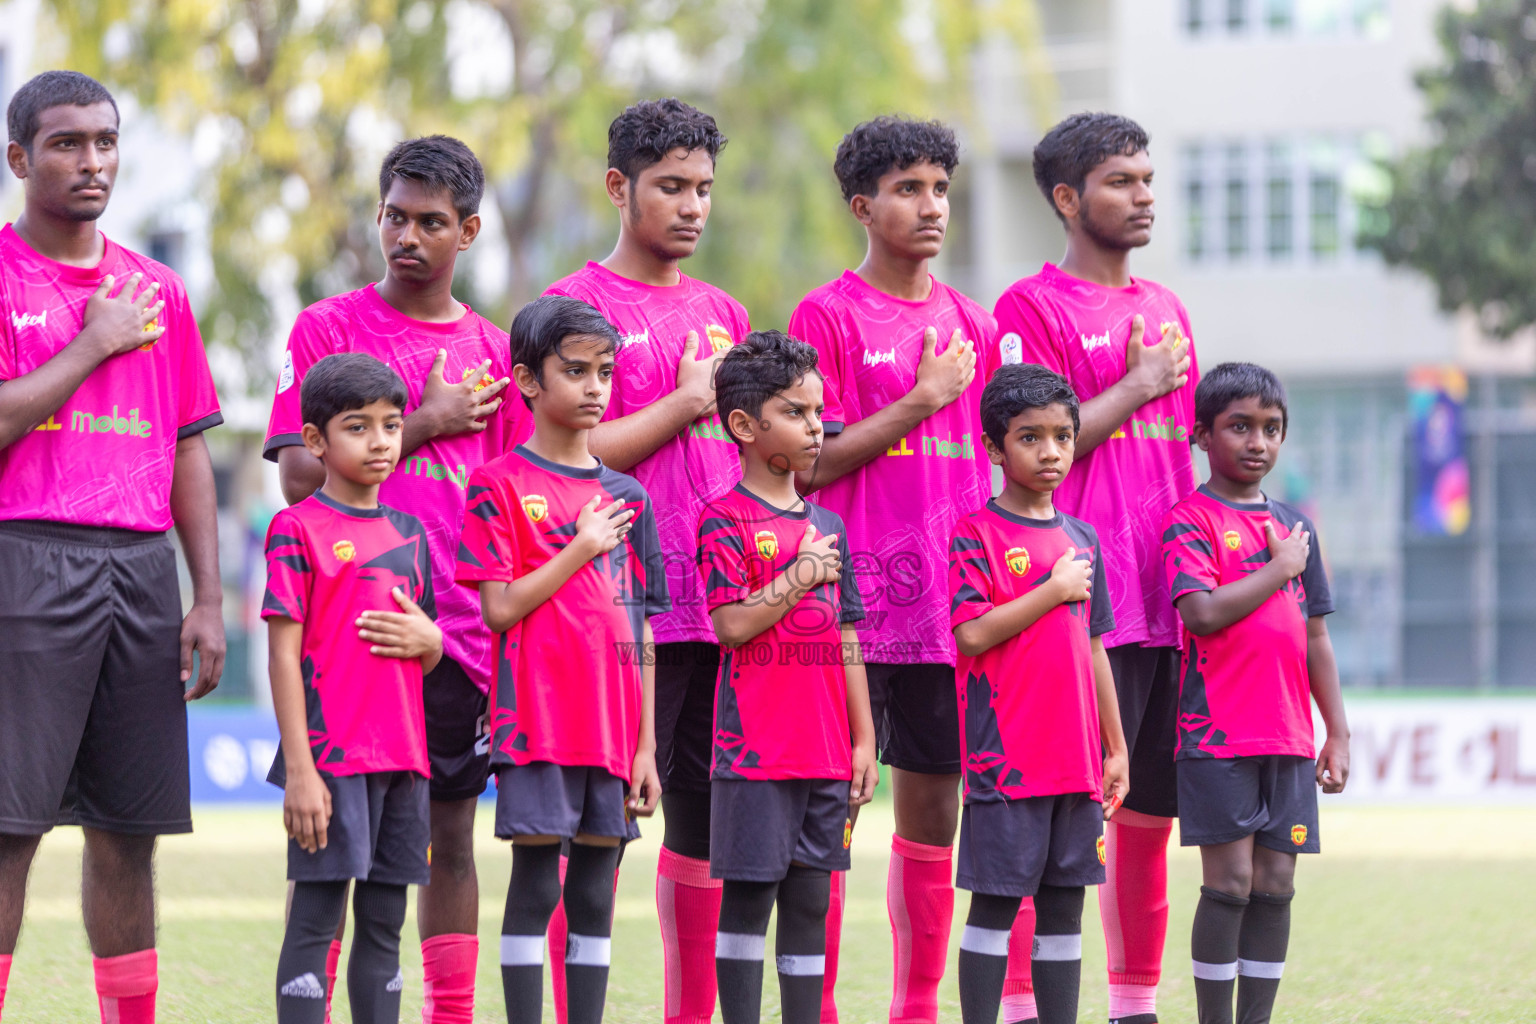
[1261,946]
[589,920]
[312,919]
[531,898]
[687,824]
[800,944]
[1056,964]
[374,983]
[1213,947]
[984,956]
[744,911]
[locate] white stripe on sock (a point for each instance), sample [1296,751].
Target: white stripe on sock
[803,966]
[739,946]
[588,950]
[522,951]
[1057,947]
[986,941]
[1215,972]
[1260,968]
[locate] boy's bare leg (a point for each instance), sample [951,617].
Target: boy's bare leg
[118,892]
[450,904]
[16,854]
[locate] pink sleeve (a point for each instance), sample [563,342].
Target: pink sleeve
[197,403]
[1194,365]
[722,559]
[988,350]
[1016,315]
[1189,552]
[7,351]
[488,547]
[970,578]
[813,325]
[289,572]
[308,343]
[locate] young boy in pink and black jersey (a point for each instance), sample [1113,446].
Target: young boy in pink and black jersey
[1248,581]
[661,426]
[349,608]
[564,553]
[904,358]
[1045,758]
[792,720]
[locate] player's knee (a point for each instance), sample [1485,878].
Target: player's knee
[1273,872]
[123,857]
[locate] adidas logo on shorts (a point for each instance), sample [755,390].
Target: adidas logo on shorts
[305,986]
[396,983]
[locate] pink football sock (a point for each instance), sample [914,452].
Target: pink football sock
[1019,985]
[125,987]
[448,974]
[5,974]
[688,904]
[332,962]
[920,897]
[1133,904]
[834,939]
[556,936]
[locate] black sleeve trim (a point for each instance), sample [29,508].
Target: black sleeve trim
[198,426]
[277,442]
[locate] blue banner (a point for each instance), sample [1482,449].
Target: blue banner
[231,749]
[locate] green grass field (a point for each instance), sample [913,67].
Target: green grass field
[1413,914]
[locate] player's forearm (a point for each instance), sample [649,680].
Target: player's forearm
[1206,611]
[299,474]
[860,443]
[284,637]
[420,427]
[629,440]
[31,398]
[1111,729]
[759,611]
[1323,677]
[195,511]
[1006,621]
[861,720]
[505,604]
[1107,412]
[647,738]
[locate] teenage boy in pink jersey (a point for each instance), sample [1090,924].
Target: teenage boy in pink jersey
[661,426]
[905,359]
[455,364]
[1123,343]
[104,397]
[349,608]
[565,555]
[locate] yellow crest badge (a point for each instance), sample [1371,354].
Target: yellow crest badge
[719,338]
[847,832]
[1232,539]
[1299,835]
[344,550]
[536,506]
[767,544]
[485,379]
[1018,560]
[147,328]
[1098,846]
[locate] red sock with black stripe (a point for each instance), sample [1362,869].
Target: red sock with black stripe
[125,987]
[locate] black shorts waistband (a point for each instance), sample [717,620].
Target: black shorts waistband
[83,536]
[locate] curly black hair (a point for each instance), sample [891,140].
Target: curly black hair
[1073,148]
[763,365]
[1231,382]
[877,146]
[440,163]
[647,131]
[1020,386]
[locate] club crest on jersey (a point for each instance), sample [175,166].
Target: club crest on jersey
[147,328]
[1232,539]
[1011,348]
[1299,835]
[719,338]
[536,506]
[1017,560]
[344,550]
[767,544]
[1098,846]
[847,832]
[485,379]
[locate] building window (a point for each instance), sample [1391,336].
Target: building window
[1368,19]
[1237,15]
[1235,189]
[167,247]
[1278,221]
[1323,199]
[1194,204]
[1194,16]
[1279,15]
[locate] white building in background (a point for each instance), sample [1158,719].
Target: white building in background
[1265,117]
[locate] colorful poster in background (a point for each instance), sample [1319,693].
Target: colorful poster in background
[1437,397]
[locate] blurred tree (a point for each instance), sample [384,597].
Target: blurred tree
[298,100]
[1463,209]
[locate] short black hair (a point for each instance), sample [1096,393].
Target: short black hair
[1231,382]
[51,89]
[886,143]
[347,381]
[763,365]
[440,163]
[647,131]
[1020,386]
[541,326]
[1077,145]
